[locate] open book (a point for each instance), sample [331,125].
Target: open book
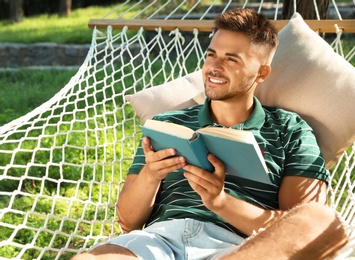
[237,149]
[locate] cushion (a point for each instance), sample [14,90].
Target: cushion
[176,94]
[307,77]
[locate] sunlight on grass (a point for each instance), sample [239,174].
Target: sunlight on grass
[28,89]
[50,28]
[72,187]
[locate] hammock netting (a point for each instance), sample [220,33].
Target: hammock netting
[62,165]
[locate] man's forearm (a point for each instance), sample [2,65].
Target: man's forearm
[245,216]
[136,201]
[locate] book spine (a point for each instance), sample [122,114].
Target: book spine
[200,152]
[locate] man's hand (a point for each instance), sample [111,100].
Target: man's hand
[210,186]
[136,200]
[160,163]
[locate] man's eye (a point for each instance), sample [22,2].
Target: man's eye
[232,60]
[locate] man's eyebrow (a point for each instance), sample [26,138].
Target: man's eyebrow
[211,50]
[227,53]
[234,55]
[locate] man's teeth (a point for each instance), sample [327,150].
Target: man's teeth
[217,81]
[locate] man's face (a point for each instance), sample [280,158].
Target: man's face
[231,66]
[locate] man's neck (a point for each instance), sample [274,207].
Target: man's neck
[230,113]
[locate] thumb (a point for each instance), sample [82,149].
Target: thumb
[146,145]
[217,164]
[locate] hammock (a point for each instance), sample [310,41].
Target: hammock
[61,165]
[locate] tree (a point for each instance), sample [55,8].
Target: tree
[16,11]
[306,8]
[64,8]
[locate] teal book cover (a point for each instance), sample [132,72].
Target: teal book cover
[194,151]
[239,158]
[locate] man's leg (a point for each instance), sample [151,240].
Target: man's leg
[161,240]
[309,231]
[107,252]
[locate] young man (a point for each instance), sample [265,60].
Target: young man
[189,213]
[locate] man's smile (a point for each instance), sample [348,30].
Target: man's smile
[216,80]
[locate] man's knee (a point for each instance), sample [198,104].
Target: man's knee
[322,229]
[315,216]
[308,231]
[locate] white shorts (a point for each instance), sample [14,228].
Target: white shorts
[179,239]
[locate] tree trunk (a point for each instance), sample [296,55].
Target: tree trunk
[64,8]
[16,11]
[305,8]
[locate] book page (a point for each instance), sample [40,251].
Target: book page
[170,128]
[233,134]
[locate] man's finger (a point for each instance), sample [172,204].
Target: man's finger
[160,155]
[217,164]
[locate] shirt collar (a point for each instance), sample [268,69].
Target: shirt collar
[255,121]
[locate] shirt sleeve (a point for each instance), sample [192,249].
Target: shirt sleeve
[139,157]
[138,160]
[303,155]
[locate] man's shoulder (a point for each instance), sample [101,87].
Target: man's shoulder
[188,112]
[278,113]
[278,118]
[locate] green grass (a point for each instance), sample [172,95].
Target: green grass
[44,181]
[51,28]
[28,89]
[72,29]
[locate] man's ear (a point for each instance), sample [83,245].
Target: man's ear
[263,73]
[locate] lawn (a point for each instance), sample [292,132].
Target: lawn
[51,28]
[21,91]
[28,88]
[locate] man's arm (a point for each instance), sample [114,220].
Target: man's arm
[137,197]
[245,216]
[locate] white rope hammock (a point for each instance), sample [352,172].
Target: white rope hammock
[62,164]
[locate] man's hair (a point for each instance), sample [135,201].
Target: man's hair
[251,23]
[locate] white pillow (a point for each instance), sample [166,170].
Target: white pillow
[308,77]
[176,94]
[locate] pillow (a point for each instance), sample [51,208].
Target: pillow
[309,78]
[176,94]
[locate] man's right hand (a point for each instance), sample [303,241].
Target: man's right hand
[160,163]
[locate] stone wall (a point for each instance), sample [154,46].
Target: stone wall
[42,54]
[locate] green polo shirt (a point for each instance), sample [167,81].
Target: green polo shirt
[288,145]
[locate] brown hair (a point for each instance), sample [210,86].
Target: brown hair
[253,24]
